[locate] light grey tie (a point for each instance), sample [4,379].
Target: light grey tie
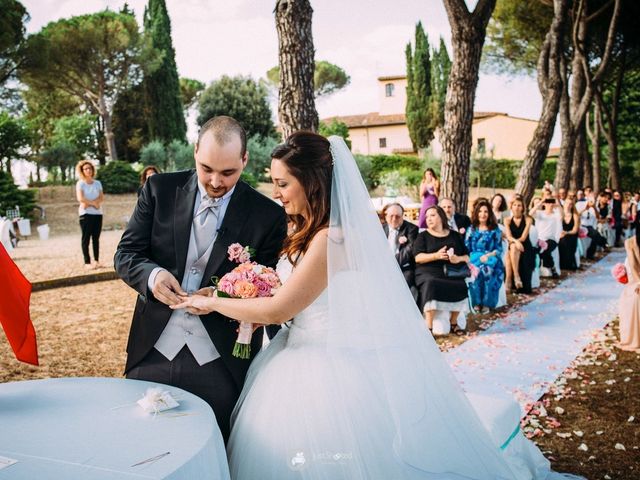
[393,238]
[205,222]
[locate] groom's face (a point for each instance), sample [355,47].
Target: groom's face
[219,166]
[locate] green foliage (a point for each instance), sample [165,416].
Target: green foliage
[166,116]
[422,114]
[260,149]
[130,126]
[327,78]
[398,182]
[373,167]
[179,156]
[12,30]
[190,91]
[11,195]
[13,136]
[76,130]
[154,153]
[62,155]
[241,98]
[335,128]
[249,178]
[91,57]
[515,35]
[440,69]
[118,177]
[366,168]
[629,131]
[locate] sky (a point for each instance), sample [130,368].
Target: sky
[367,38]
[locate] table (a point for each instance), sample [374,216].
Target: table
[91,428]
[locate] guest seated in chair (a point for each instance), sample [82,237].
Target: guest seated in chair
[484,243]
[549,224]
[401,234]
[589,220]
[521,260]
[458,222]
[437,247]
[569,236]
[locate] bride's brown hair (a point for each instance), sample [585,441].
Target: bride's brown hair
[307,156]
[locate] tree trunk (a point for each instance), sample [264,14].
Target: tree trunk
[583,84]
[579,160]
[109,137]
[594,136]
[296,108]
[468,33]
[550,84]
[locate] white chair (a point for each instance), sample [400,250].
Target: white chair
[5,237]
[442,325]
[535,276]
[585,243]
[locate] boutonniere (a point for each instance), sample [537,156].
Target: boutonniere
[402,240]
[461,231]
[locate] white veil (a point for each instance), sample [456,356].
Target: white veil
[376,329]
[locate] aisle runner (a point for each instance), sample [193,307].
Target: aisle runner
[519,355]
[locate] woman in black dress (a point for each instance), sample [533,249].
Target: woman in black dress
[432,249]
[521,261]
[569,236]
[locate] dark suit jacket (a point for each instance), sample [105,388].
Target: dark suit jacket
[462,221]
[158,236]
[405,256]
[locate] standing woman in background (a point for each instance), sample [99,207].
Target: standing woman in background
[90,195]
[429,192]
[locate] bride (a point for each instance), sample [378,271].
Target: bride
[354,387]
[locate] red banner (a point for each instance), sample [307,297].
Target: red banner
[15,293]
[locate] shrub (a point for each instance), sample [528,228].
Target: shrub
[249,178]
[154,153]
[118,177]
[260,149]
[179,156]
[11,195]
[366,170]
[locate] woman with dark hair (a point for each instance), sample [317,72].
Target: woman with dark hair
[429,192]
[146,172]
[356,372]
[435,248]
[499,207]
[568,243]
[629,307]
[484,243]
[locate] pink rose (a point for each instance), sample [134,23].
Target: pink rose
[264,289]
[619,272]
[225,286]
[234,251]
[245,256]
[244,289]
[461,231]
[402,240]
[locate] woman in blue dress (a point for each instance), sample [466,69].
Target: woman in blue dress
[484,243]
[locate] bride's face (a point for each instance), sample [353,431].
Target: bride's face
[287,189]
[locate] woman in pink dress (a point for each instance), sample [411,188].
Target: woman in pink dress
[630,298]
[429,191]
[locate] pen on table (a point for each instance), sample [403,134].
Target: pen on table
[152,459]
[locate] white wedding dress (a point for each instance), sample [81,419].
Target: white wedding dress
[355,388]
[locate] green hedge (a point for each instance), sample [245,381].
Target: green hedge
[11,195]
[118,177]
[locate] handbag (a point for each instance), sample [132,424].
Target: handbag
[458,270]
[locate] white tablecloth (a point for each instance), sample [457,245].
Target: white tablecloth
[91,428]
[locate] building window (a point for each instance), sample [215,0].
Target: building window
[388,89]
[482,147]
[383,142]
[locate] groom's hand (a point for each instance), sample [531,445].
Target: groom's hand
[166,288]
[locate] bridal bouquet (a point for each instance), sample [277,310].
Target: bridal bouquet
[247,280]
[619,272]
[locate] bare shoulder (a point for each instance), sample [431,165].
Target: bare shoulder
[319,240]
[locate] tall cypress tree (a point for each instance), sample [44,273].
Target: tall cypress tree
[162,87]
[419,109]
[440,68]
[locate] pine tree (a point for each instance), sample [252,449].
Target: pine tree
[419,109]
[162,87]
[440,68]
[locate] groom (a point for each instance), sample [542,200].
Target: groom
[175,242]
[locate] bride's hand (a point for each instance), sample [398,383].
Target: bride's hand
[196,304]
